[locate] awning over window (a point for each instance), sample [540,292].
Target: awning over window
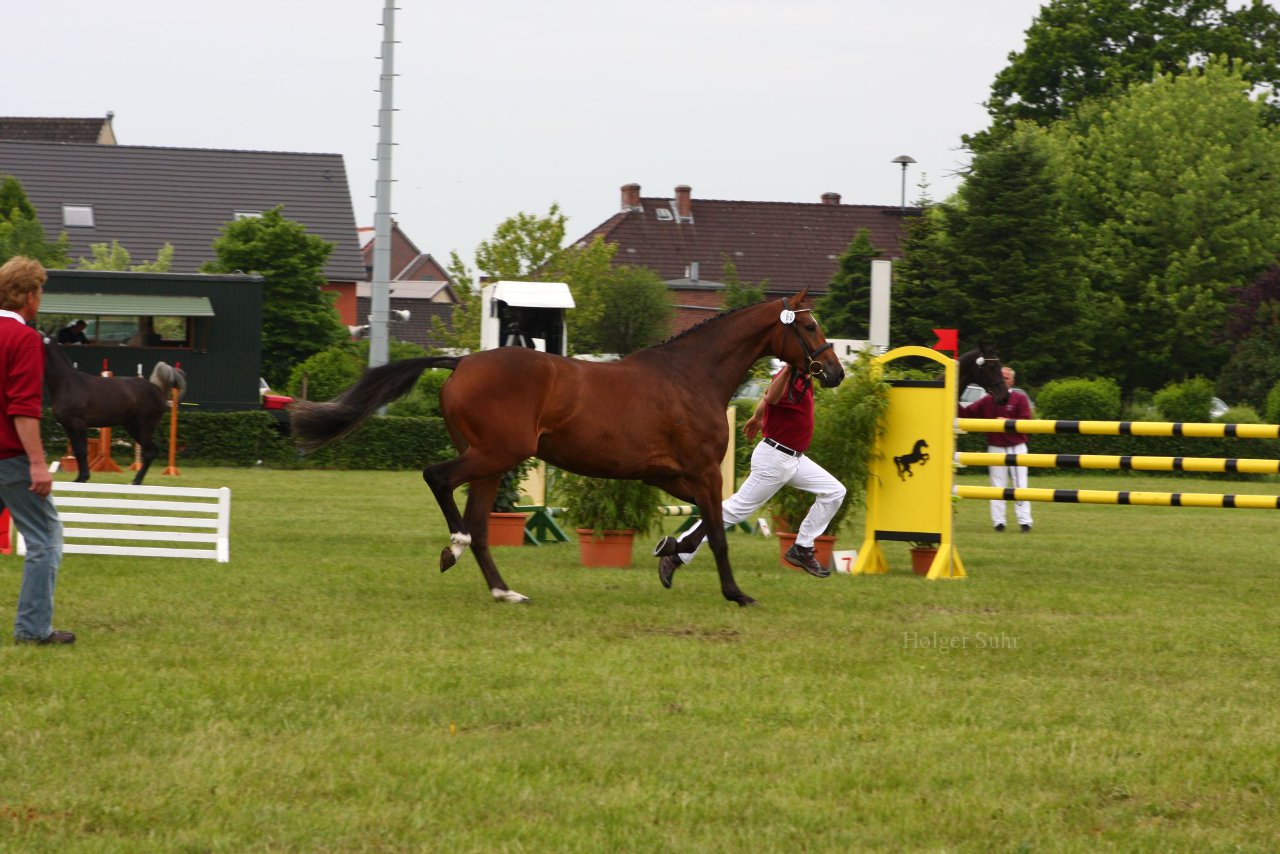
[129,305]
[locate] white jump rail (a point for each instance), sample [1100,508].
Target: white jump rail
[100,511]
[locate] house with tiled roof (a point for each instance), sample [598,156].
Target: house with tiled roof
[145,197]
[419,284]
[39,129]
[786,245]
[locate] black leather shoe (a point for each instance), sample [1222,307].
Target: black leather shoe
[667,567]
[1026,529]
[53,638]
[1000,528]
[802,557]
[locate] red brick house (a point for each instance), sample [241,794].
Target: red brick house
[419,284]
[787,245]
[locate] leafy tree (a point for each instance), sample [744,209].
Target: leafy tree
[521,245]
[998,264]
[1079,50]
[1253,332]
[739,293]
[1172,188]
[846,308]
[298,318]
[632,310]
[116,257]
[463,330]
[21,232]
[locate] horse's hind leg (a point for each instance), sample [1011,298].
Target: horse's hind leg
[479,504]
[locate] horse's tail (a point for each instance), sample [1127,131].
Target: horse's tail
[165,377]
[316,424]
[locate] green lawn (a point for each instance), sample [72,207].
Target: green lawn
[1108,682]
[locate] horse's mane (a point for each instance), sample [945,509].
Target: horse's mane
[715,317]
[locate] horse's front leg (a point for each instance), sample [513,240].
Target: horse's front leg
[79,437]
[713,524]
[149,453]
[479,504]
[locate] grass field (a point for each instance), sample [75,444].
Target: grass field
[1108,682]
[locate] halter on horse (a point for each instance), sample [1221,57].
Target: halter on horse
[656,415]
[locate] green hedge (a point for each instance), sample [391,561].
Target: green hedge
[256,437]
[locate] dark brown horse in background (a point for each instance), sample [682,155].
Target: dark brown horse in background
[982,366]
[81,401]
[656,415]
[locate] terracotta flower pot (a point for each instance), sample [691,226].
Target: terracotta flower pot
[613,548]
[822,548]
[922,559]
[507,529]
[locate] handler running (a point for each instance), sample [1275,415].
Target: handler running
[786,415]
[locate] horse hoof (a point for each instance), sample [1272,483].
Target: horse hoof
[746,602]
[510,596]
[447,558]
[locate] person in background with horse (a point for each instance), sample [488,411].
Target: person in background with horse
[785,416]
[73,333]
[1017,407]
[25,482]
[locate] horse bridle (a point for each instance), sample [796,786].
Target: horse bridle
[981,360]
[788,318]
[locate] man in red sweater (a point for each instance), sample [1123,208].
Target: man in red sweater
[1018,407]
[785,417]
[25,482]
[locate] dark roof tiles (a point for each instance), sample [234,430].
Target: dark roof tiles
[789,244]
[145,197]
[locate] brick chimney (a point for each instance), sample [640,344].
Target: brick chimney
[831,198]
[684,207]
[631,198]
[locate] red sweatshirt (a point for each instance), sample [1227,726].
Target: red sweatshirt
[21,378]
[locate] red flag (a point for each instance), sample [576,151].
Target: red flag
[948,341]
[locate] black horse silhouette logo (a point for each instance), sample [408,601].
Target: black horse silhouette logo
[906,461]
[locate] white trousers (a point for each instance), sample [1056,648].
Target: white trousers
[1001,476]
[771,470]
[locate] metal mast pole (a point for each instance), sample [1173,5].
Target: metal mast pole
[380,287]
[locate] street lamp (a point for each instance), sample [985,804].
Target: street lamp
[904,159]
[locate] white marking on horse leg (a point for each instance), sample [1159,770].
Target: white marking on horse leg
[458,543]
[509,596]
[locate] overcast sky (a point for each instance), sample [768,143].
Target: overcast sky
[510,106]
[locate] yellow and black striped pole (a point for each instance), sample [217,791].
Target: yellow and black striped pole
[1122,462]
[1100,496]
[1121,428]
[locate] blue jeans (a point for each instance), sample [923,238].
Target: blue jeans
[38,521]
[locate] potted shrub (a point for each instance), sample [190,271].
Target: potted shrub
[922,555]
[607,514]
[847,420]
[506,524]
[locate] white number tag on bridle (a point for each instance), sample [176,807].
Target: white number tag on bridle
[788,316]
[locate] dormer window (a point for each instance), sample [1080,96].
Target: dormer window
[77,216]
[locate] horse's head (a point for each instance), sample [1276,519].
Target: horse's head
[982,366]
[803,346]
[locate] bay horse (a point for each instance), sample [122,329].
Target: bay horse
[656,415]
[82,400]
